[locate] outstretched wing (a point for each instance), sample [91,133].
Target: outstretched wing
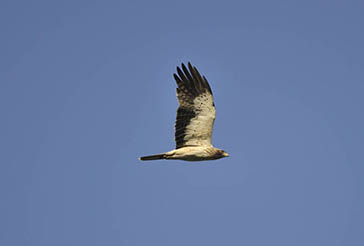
[196,111]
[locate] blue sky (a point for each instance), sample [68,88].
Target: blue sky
[86,88]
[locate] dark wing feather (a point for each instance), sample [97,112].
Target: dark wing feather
[196,111]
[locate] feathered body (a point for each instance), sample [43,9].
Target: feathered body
[194,121]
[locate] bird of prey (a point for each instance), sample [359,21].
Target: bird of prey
[195,119]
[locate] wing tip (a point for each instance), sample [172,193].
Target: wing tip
[187,76]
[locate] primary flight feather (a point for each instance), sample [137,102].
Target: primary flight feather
[194,121]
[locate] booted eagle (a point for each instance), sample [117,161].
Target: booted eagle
[195,119]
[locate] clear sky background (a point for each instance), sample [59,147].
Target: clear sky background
[86,88]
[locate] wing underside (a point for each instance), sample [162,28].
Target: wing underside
[196,111]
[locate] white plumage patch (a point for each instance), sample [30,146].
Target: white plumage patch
[199,129]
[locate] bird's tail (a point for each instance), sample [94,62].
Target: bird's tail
[153,157]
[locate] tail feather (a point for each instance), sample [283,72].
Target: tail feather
[152,157]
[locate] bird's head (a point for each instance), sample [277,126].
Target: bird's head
[223,154]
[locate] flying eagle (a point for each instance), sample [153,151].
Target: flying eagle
[195,119]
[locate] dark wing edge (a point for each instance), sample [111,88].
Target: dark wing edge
[191,80]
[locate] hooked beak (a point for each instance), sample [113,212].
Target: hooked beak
[225,154]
